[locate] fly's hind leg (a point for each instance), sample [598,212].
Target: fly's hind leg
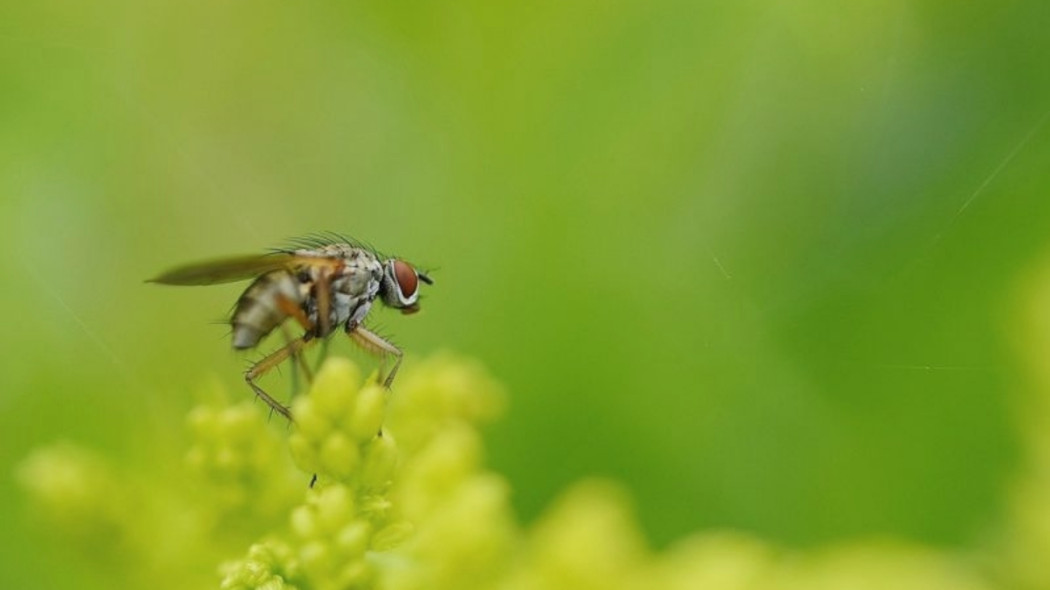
[270,361]
[379,346]
[299,363]
[290,308]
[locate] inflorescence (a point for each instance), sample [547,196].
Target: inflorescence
[369,489]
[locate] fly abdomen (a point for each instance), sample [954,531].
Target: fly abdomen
[258,311]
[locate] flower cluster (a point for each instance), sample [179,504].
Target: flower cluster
[80,493]
[234,460]
[338,432]
[269,565]
[382,513]
[402,500]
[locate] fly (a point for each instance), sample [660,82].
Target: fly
[323,284]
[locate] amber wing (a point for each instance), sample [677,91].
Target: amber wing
[238,268]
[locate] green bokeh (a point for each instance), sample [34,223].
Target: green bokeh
[758,260]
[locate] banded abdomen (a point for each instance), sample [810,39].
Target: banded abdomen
[261,307]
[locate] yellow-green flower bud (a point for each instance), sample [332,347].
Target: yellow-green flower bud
[380,461]
[238,423]
[335,387]
[304,522]
[304,453]
[340,456]
[270,565]
[310,420]
[353,538]
[367,417]
[78,492]
[589,539]
[317,559]
[334,506]
[438,468]
[723,560]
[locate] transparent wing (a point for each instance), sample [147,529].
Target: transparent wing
[238,268]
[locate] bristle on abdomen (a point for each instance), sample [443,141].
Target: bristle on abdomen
[257,312]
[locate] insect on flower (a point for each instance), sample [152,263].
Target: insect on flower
[323,283]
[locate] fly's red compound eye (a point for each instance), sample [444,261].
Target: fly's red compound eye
[407,280]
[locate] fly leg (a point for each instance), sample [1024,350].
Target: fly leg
[323,293]
[379,346]
[299,363]
[322,355]
[270,361]
[289,308]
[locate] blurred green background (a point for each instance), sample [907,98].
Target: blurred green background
[757,260]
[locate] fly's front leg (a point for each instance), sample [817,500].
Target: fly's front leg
[270,361]
[379,346]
